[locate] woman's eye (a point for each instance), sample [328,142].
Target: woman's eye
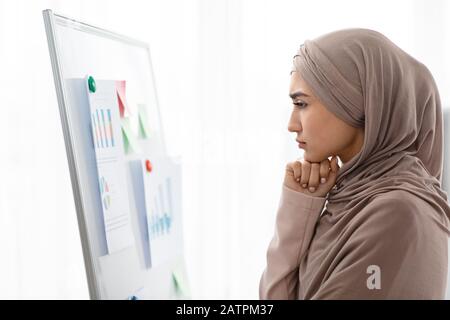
[301,105]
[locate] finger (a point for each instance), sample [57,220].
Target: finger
[306,169]
[289,170]
[324,170]
[297,167]
[333,173]
[334,164]
[314,177]
[332,176]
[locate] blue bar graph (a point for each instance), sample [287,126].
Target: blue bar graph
[103,132]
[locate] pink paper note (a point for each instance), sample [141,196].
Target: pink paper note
[123,105]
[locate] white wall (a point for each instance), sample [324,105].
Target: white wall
[222,70]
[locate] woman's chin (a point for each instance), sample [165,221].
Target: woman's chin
[308,157]
[313,158]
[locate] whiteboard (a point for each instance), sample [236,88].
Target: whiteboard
[77,50]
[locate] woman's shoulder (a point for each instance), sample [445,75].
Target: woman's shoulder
[398,201]
[396,210]
[398,198]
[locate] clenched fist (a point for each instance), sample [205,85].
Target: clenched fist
[314,179]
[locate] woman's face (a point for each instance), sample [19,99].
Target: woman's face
[324,134]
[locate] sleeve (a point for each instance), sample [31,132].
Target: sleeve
[294,227]
[395,251]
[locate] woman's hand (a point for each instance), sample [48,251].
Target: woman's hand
[314,179]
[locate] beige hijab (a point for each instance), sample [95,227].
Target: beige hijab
[367,81]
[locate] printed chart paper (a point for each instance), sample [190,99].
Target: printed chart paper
[108,144]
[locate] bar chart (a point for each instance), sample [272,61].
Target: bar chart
[102,128]
[160,219]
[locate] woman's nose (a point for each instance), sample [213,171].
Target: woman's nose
[294,124]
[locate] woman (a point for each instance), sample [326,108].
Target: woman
[377,227]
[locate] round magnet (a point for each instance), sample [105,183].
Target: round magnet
[148,165]
[91,84]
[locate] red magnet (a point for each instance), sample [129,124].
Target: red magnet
[148,165]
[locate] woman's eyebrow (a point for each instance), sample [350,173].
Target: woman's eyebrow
[298,94]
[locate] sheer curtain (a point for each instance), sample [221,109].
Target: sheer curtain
[222,70]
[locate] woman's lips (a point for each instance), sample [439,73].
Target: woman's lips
[301,144]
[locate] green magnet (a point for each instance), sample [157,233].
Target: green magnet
[92,85]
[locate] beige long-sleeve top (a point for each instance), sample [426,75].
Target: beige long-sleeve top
[392,248]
